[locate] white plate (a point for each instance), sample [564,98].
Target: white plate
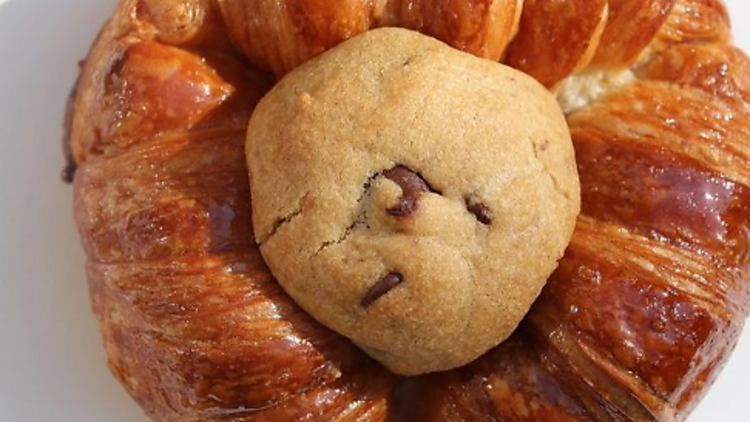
[52,367]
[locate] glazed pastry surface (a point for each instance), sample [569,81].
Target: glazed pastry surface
[635,324]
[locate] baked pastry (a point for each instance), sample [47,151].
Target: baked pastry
[634,325]
[425,243]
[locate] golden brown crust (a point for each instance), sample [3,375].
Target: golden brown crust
[481,27]
[631,27]
[291,32]
[635,324]
[557,38]
[704,21]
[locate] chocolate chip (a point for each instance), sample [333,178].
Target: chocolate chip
[412,185]
[385,285]
[482,212]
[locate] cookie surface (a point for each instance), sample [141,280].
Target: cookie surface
[412,197]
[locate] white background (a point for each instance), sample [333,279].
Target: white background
[52,367]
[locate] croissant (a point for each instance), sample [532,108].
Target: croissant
[634,325]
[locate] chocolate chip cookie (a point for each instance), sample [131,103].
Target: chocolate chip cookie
[412,197]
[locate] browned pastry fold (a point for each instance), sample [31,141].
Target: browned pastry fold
[634,325]
[631,27]
[557,38]
[280,35]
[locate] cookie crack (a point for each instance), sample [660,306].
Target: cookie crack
[360,220]
[555,182]
[349,230]
[283,221]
